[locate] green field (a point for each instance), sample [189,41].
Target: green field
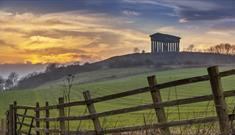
[104,82]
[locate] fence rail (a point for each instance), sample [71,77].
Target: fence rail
[218,96]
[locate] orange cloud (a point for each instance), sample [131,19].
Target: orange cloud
[64,37]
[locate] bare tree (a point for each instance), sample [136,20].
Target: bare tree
[136,50]
[190,48]
[2,83]
[8,84]
[51,67]
[13,77]
[227,48]
[67,93]
[223,48]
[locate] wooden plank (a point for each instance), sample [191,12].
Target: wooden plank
[24,124]
[219,100]
[25,107]
[70,104]
[227,73]
[159,110]
[37,116]
[26,116]
[47,116]
[62,114]
[91,109]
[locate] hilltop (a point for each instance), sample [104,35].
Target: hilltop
[157,61]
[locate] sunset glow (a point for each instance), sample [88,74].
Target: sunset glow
[77,34]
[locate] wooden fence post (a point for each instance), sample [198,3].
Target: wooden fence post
[156,97]
[219,100]
[61,114]
[37,116]
[47,116]
[15,118]
[10,118]
[7,122]
[91,109]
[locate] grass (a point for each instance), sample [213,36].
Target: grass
[105,82]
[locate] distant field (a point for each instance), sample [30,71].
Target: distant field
[110,81]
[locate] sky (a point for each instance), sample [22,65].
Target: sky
[63,31]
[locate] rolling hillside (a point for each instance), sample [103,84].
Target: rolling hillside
[158,61]
[126,79]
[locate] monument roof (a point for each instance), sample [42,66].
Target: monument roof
[164,37]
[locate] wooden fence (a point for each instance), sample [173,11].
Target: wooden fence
[14,126]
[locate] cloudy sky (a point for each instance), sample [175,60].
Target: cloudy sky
[44,31]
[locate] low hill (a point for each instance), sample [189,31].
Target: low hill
[169,59]
[158,61]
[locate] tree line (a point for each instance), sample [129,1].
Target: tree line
[223,48]
[9,82]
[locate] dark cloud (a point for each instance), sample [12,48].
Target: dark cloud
[205,9]
[216,14]
[192,10]
[228,25]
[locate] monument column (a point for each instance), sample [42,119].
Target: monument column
[168,47]
[178,46]
[174,47]
[171,48]
[158,46]
[152,46]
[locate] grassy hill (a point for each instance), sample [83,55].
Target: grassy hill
[160,61]
[103,82]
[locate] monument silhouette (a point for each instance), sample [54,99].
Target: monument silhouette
[161,43]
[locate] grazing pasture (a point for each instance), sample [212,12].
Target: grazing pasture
[117,80]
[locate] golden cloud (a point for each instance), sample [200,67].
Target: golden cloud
[65,37]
